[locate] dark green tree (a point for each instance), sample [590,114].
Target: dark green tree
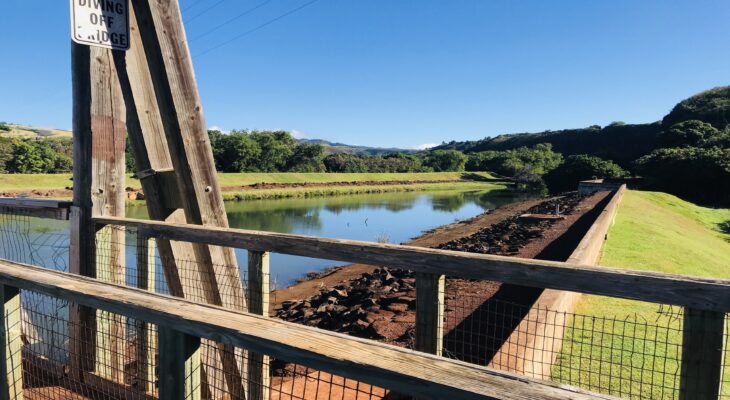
[701,175]
[690,133]
[445,160]
[306,158]
[580,167]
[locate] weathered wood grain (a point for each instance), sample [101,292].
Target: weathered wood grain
[179,365]
[696,292]
[702,354]
[11,369]
[146,336]
[430,290]
[259,377]
[51,209]
[402,370]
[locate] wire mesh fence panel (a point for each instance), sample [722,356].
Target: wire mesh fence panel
[31,240]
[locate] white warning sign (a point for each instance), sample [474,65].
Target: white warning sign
[102,23]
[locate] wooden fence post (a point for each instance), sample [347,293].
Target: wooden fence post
[179,365]
[146,336]
[702,354]
[258,303]
[12,345]
[99,131]
[430,313]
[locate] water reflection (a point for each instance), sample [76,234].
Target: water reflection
[396,217]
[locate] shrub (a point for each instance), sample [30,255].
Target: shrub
[580,167]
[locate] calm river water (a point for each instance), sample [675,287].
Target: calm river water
[384,217]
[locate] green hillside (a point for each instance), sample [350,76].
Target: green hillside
[653,232]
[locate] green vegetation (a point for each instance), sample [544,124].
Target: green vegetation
[350,190]
[35,156]
[653,232]
[711,106]
[580,167]
[526,164]
[687,154]
[340,183]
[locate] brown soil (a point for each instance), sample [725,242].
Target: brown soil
[138,194]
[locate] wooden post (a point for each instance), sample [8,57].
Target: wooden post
[430,313]
[702,354]
[99,138]
[169,136]
[179,365]
[12,345]
[146,336]
[259,380]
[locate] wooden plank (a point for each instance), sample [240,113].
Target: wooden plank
[146,336]
[259,375]
[107,170]
[702,354]
[696,292]
[40,208]
[179,365]
[430,290]
[82,252]
[12,345]
[168,63]
[399,369]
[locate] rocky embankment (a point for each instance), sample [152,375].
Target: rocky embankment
[381,305]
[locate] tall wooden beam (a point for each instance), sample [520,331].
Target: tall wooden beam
[176,168]
[11,345]
[99,135]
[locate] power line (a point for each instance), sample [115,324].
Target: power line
[204,11]
[250,31]
[192,5]
[250,10]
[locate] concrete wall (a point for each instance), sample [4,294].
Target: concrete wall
[597,185]
[534,345]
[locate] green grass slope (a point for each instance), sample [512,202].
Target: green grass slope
[632,349]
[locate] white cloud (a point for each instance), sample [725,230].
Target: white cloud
[425,146]
[298,134]
[218,128]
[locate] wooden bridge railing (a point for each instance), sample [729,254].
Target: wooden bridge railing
[183,323]
[706,300]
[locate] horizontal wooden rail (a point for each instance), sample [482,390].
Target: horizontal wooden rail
[54,209]
[402,370]
[688,291]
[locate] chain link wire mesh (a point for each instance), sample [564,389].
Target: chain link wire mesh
[117,357]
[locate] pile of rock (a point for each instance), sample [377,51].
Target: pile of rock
[378,305]
[508,236]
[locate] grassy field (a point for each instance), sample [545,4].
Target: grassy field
[633,348]
[427,181]
[23,131]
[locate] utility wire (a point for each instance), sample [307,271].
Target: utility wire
[250,31]
[250,10]
[192,5]
[194,17]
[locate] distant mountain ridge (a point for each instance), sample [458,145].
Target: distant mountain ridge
[618,141]
[339,148]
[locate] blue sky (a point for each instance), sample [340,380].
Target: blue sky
[404,73]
